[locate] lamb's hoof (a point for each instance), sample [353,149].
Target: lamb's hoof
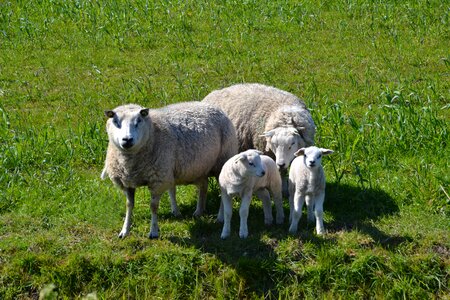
[219,220]
[224,236]
[243,235]
[152,235]
[293,231]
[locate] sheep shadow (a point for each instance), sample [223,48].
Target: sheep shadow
[255,258]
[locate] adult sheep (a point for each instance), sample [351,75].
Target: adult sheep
[267,119]
[182,143]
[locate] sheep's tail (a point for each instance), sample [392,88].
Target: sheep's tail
[104,174]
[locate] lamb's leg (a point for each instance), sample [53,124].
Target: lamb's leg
[310,204]
[243,214]
[154,205]
[227,213]
[291,199]
[129,193]
[318,212]
[264,195]
[202,193]
[278,201]
[220,213]
[298,201]
[173,201]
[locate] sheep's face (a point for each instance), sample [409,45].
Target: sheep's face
[312,156]
[283,142]
[127,127]
[250,160]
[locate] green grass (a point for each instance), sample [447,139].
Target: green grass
[376,75]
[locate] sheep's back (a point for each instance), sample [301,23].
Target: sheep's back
[249,106]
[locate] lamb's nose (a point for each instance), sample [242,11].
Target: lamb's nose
[263,173]
[281,166]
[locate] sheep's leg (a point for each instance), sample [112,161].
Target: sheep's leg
[243,214]
[297,211]
[284,183]
[227,213]
[173,201]
[202,193]
[129,193]
[318,212]
[291,199]
[264,195]
[310,203]
[154,205]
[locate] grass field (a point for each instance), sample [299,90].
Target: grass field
[375,74]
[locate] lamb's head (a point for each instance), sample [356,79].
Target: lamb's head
[284,142]
[128,127]
[249,163]
[312,156]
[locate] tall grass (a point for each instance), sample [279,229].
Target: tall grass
[374,74]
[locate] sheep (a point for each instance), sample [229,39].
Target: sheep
[307,182]
[182,143]
[267,119]
[243,174]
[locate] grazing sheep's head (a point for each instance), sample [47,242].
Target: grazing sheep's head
[251,162]
[128,127]
[312,156]
[284,142]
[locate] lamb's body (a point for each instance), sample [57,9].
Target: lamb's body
[307,183]
[242,175]
[183,143]
[268,119]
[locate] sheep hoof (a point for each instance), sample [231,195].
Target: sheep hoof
[176,213]
[268,222]
[292,230]
[224,236]
[122,234]
[197,213]
[243,235]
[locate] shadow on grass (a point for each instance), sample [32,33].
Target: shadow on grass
[255,258]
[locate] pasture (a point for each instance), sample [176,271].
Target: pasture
[375,74]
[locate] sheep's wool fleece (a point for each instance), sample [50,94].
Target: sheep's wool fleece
[186,142]
[256,108]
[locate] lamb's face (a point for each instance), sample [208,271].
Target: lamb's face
[284,142]
[128,127]
[312,156]
[250,160]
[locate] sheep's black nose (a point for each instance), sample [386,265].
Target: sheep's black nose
[281,166]
[263,173]
[127,142]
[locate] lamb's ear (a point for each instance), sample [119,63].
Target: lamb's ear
[326,151]
[300,152]
[240,157]
[110,113]
[259,152]
[144,112]
[268,134]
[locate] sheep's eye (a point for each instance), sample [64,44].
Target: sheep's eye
[116,123]
[138,121]
[320,155]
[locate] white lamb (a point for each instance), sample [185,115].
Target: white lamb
[243,174]
[267,119]
[182,143]
[307,182]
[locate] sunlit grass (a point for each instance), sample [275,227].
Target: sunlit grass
[375,76]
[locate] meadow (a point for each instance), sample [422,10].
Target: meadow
[375,74]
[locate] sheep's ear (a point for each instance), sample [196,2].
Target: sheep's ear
[144,112]
[326,151]
[110,113]
[300,152]
[259,152]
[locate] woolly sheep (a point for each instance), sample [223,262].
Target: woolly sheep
[182,143]
[307,182]
[267,119]
[243,174]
